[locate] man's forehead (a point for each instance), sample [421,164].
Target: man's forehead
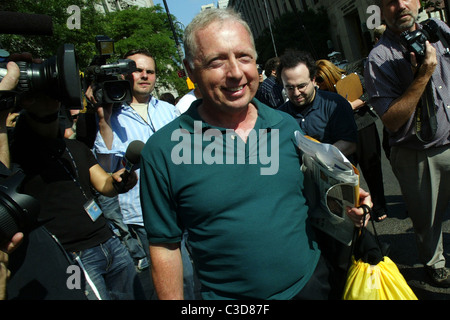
[141,58]
[204,47]
[300,70]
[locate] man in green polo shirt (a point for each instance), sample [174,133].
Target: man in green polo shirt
[228,171]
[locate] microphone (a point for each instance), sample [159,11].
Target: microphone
[131,159]
[25,23]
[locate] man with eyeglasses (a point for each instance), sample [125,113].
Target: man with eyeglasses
[325,116]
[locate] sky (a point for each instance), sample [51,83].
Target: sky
[184,10]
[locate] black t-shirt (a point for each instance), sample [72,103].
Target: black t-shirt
[58,176]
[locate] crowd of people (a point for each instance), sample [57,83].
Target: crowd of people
[197,212]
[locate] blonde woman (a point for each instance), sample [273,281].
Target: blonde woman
[368,152]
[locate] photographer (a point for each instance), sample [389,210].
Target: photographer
[138,120]
[8,83]
[406,88]
[60,174]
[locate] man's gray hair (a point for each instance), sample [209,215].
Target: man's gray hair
[203,20]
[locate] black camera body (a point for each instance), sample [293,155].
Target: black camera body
[107,88]
[415,40]
[57,77]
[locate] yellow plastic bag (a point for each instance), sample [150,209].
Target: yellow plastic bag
[376,282]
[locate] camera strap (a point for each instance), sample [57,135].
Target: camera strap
[426,122]
[91,207]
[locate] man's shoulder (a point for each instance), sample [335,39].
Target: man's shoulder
[441,24]
[328,96]
[163,106]
[386,48]
[268,83]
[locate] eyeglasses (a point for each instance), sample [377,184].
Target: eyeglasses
[300,87]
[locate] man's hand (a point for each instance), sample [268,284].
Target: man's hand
[36,103]
[129,183]
[11,119]
[357,214]
[10,81]
[6,249]
[428,64]
[12,245]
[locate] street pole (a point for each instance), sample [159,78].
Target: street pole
[294,7]
[270,28]
[177,42]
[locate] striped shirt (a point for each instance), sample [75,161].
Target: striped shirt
[270,93]
[388,75]
[127,125]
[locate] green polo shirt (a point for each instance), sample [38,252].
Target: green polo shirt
[242,204]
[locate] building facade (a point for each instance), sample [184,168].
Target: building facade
[351,21]
[117,5]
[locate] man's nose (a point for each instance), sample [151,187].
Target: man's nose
[234,69]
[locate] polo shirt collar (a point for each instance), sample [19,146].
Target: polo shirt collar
[267,117]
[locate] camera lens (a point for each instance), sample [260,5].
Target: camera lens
[116,91]
[8,225]
[18,212]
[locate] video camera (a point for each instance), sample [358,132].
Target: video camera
[415,40]
[58,77]
[107,87]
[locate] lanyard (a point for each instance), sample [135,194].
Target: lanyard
[74,179]
[149,121]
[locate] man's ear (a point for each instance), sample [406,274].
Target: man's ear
[189,70]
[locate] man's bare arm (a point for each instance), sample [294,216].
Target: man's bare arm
[167,271]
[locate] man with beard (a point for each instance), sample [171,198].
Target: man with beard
[401,84]
[324,116]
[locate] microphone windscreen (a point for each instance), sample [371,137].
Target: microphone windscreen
[133,153]
[25,23]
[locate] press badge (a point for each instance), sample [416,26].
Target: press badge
[92,209]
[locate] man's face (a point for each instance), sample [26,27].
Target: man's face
[225,66]
[144,78]
[400,15]
[298,85]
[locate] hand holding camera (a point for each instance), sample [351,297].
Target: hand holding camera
[7,84]
[11,79]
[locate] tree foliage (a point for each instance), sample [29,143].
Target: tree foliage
[148,28]
[131,29]
[45,46]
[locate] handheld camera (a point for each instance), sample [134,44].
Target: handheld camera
[107,87]
[57,77]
